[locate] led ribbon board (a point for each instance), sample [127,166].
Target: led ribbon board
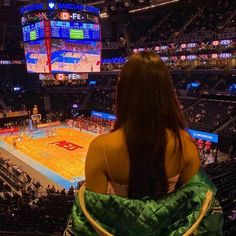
[52,6]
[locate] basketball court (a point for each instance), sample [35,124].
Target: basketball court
[60,157]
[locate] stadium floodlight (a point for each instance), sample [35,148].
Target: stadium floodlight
[94,3]
[127,3]
[104,15]
[155,3]
[113,8]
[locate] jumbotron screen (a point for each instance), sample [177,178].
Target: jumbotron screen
[36,56]
[73,56]
[62,41]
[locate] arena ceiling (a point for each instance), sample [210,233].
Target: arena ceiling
[111,6]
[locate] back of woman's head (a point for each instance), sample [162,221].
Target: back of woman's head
[146,105]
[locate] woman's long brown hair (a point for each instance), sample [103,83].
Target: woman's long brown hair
[146,105]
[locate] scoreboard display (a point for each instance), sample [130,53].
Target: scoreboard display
[61,38]
[62,29]
[75,30]
[33,32]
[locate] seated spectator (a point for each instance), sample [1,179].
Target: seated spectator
[37,184]
[63,192]
[144,157]
[48,189]
[53,190]
[71,191]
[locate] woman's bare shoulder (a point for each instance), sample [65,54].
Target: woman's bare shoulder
[110,139]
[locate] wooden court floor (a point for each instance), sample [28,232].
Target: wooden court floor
[63,153]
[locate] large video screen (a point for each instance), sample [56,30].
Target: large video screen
[75,56]
[62,46]
[36,57]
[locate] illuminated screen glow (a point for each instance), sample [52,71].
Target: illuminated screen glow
[76,34]
[33,35]
[33,31]
[36,57]
[62,47]
[75,56]
[69,30]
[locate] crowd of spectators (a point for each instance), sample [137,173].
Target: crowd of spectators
[229,130]
[26,206]
[23,212]
[204,107]
[93,124]
[213,17]
[208,115]
[178,17]
[111,67]
[183,21]
[201,114]
[176,63]
[64,101]
[223,176]
[208,151]
[18,177]
[102,100]
[180,23]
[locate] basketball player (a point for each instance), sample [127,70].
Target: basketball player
[61,66]
[75,65]
[49,133]
[100,130]
[12,131]
[83,56]
[14,143]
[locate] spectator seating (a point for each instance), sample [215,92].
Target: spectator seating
[224,177]
[183,21]
[208,115]
[21,213]
[24,211]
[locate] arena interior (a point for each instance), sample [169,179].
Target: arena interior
[48,120]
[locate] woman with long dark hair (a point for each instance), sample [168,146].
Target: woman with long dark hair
[132,172]
[149,150]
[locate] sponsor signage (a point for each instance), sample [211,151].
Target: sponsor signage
[51,6]
[32,7]
[67,145]
[105,116]
[13,62]
[82,76]
[203,135]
